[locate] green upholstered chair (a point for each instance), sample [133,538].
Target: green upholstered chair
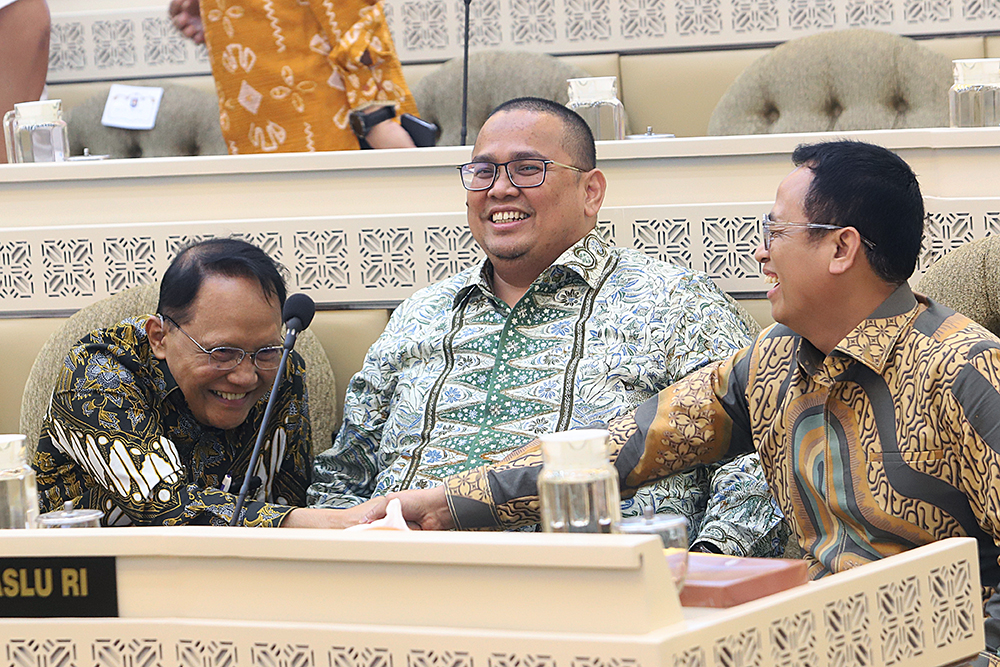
[853,79]
[187,124]
[142,300]
[967,279]
[494,78]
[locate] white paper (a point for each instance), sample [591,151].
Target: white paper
[393,519]
[132,107]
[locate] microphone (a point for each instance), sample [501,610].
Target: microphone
[297,314]
[465,76]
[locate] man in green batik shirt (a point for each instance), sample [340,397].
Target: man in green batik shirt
[554,330]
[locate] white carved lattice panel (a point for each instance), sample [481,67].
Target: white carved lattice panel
[68,267]
[793,640]
[270,242]
[321,260]
[693,657]
[992,220]
[425,25]
[739,650]
[211,653]
[41,653]
[485,24]
[869,13]
[267,654]
[695,17]
[349,656]
[15,271]
[130,262]
[387,258]
[812,15]
[647,18]
[943,232]
[952,590]
[449,251]
[667,240]
[588,21]
[729,244]
[128,652]
[177,242]
[847,626]
[432,658]
[900,610]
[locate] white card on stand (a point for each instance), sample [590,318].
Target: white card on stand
[132,107]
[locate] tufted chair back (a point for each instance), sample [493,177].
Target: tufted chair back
[494,78]
[851,79]
[187,124]
[967,280]
[141,300]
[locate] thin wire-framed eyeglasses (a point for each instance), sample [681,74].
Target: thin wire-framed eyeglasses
[227,358]
[766,222]
[523,173]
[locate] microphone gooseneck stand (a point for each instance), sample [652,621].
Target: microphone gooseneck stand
[465,77]
[298,313]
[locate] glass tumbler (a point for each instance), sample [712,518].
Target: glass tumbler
[672,531]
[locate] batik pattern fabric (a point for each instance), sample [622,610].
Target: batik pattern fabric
[890,442]
[459,379]
[288,73]
[119,437]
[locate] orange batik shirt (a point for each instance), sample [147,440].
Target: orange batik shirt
[289,72]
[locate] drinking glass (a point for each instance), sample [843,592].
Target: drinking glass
[672,530]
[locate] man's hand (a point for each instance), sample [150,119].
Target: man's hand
[318,517]
[186,17]
[423,509]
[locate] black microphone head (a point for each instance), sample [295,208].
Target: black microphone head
[299,307]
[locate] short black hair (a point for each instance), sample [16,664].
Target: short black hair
[577,139]
[216,257]
[870,188]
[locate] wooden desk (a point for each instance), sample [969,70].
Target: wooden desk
[218,597]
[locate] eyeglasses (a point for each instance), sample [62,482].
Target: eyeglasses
[523,173]
[766,223]
[228,358]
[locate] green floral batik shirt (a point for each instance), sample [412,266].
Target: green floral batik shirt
[119,437]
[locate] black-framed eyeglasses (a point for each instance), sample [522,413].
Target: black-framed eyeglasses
[766,222]
[523,173]
[227,358]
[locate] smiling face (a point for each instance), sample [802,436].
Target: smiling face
[231,312]
[797,262]
[526,229]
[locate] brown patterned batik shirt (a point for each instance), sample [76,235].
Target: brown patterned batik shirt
[119,437]
[890,442]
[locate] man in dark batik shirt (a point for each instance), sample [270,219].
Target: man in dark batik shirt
[153,420]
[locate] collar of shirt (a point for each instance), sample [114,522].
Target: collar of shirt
[588,258]
[872,341]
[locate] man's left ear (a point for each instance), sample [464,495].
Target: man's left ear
[596,186]
[847,251]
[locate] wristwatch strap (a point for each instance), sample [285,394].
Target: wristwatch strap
[363,120]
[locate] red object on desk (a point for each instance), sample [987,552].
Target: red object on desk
[726,581]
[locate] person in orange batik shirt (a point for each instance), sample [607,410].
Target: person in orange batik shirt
[289,73]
